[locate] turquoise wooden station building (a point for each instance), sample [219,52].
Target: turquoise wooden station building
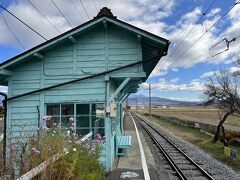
[84,74]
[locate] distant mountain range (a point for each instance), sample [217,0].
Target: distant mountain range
[144,101]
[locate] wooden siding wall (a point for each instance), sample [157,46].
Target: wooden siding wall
[24,113]
[96,50]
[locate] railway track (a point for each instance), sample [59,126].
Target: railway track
[178,163]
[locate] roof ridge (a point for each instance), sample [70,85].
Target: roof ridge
[105,11]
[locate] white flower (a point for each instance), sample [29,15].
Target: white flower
[66,152]
[54,131]
[74,149]
[68,132]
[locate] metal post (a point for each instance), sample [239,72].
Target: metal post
[5,130]
[136,104]
[150,103]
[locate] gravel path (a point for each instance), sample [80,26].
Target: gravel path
[217,169]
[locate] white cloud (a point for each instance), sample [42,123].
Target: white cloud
[233,70]
[213,12]
[146,14]
[193,86]
[174,80]
[185,99]
[4,89]
[209,74]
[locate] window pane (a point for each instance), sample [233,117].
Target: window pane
[82,131]
[53,122]
[98,110]
[67,109]
[53,109]
[82,121]
[97,121]
[82,109]
[66,121]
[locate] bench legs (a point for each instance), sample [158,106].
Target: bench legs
[124,153]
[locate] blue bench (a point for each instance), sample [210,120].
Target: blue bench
[123,142]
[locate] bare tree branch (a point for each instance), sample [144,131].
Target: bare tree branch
[223,91]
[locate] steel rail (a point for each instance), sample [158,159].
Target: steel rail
[170,142]
[170,160]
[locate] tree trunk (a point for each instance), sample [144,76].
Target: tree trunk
[224,137]
[216,136]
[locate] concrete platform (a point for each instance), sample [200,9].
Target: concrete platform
[132,167]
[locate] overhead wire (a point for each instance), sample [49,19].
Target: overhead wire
[74,5]
[207,30]
[84,9]
[61,13]
[45,17]
[211,47]
[13,34]
[95,5]
[199,20]
[35,31]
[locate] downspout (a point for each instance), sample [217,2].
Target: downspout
[5,129]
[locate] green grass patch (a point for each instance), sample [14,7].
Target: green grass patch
[201,140]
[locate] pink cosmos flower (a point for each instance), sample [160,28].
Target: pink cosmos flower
[46,118]
[35,151]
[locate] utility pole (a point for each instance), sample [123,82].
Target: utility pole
[136,104]
[150,103]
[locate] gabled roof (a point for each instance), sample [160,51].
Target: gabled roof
[104,15]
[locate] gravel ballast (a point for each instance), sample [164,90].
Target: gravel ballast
[217,169]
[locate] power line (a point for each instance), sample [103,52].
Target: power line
[199,20]
[84,9]
[74,5]
[228,42]
[13,34]
[95,5]
[208,30]
[62,14]
[23,23]
[45,17]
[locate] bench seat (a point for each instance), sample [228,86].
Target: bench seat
[123,142]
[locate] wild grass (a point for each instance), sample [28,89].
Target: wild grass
[77,160]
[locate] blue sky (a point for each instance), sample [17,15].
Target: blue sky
[177,76]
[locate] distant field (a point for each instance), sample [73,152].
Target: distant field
[196,114]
